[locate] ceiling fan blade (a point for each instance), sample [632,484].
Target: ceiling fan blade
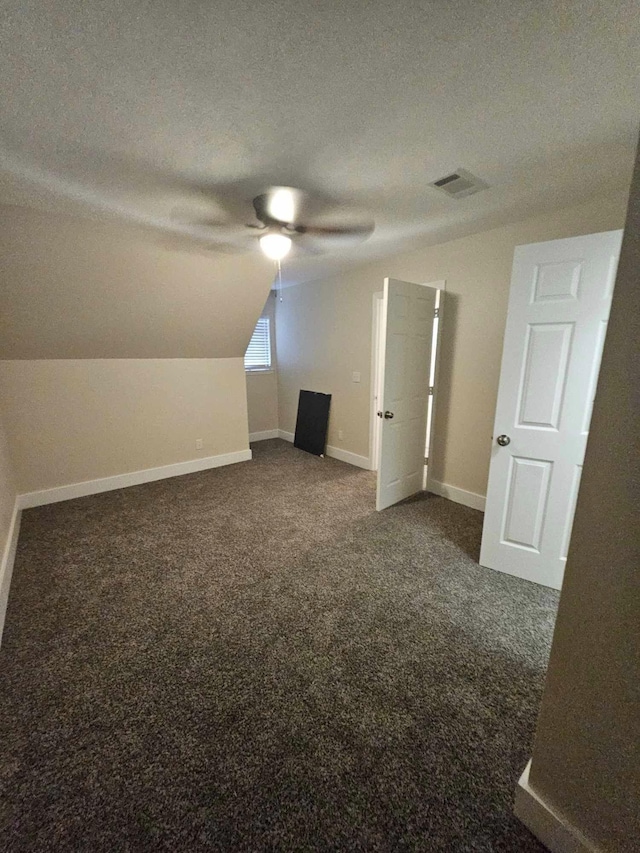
[213,230]
[162,190]
[202,240]
[330,237]
[361,231]
[213,227]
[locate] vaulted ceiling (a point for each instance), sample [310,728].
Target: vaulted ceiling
[123,108]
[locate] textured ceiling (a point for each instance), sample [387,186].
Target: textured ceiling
[128,102]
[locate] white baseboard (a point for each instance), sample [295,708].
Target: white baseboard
[459,496]
[134,478]
[348,457]
[335,452]
[6,566]
[264,434]
[548,825]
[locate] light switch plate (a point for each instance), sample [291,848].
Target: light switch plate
[355,376]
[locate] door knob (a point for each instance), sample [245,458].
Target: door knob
[388,415]
[503,440]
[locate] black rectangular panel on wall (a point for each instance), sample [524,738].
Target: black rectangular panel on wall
[312,422]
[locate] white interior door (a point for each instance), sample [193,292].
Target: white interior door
[558,310]
[407,327]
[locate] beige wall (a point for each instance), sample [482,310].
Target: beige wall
[262,401]
[262,386]
[73,420]
[586,758]
[324,334]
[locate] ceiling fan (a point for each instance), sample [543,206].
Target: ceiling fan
[280,212]
[284,217]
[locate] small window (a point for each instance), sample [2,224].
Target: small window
[258,354]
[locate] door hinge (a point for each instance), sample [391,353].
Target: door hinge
[436,312]
[431,390]
[426,460]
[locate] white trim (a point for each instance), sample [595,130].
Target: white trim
[547,824]
[348,457]
[8,558]
[432,448]
[335,452]
[460,496]
[264,434]
[134,478]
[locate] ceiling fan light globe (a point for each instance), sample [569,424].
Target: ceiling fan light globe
[275,246]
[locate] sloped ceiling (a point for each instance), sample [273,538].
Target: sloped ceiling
[364,102]
[73,288]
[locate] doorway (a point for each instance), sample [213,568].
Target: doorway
[405,348]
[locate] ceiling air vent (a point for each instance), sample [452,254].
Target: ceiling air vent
[459,184]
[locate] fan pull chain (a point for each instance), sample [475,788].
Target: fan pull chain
[279,287]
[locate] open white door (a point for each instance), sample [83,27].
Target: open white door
[407,333]
[558,311]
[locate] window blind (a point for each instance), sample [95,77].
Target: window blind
[258,354]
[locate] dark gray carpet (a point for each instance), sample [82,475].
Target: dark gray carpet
[252,658]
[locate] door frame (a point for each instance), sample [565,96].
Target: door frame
[434,378]
[377,373]
[376,376]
